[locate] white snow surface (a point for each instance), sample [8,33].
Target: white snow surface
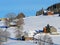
[19,43]
[38,22]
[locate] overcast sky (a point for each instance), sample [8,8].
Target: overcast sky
[28,7]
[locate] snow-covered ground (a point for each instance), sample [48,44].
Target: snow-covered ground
[19,43]
[36,23]
[47,37]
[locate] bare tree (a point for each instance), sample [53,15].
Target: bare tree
[1,32]
[45,40]
[20,22]
[3,36]
[19,31]
[20,15]
[11,16]
[6,34]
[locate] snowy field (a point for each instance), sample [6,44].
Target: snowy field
[20,43]
[36,23]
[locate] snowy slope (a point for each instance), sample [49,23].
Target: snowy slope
[38,22]
[35,23]
[20,43]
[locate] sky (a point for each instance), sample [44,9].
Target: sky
[28,7]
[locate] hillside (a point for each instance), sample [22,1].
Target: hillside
[38,22]
[55,8]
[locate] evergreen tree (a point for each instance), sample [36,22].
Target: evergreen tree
[48,28]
